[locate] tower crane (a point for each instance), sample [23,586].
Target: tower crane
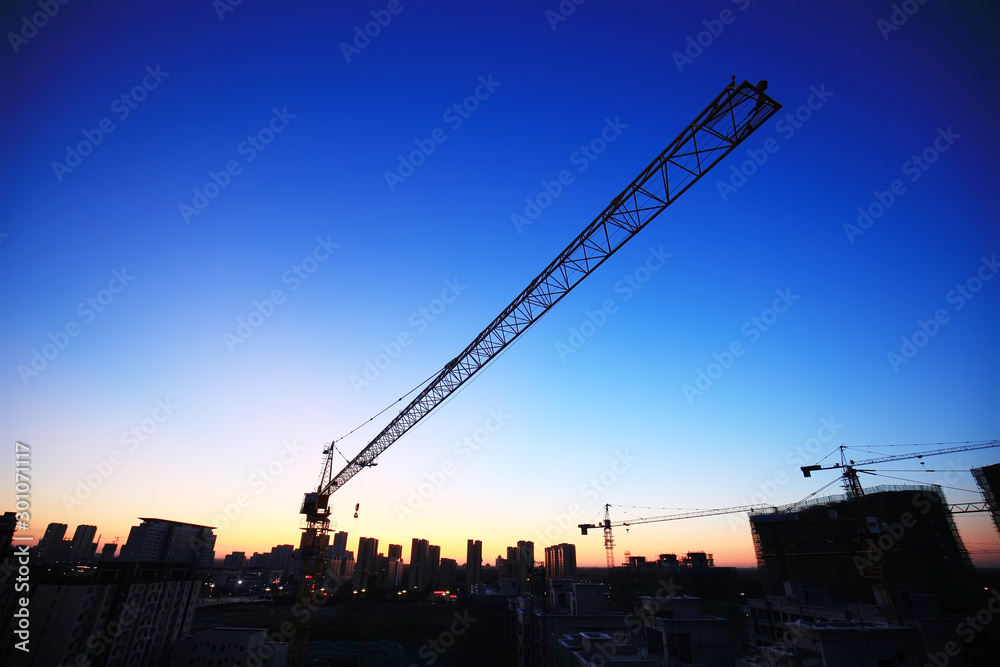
[607,524]
[735,113]
[853,486]
[875,570]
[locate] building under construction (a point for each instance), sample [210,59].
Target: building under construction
[902,536]
[988,479]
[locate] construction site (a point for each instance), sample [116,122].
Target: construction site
[338,220]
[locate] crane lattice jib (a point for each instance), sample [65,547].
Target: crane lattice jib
[732,117]
[936,452]
[986,444]
[693,514]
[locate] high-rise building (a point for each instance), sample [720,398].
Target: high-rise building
[446,574]
[393,577]
[418,576]
[511,563]
[117,614]
[364,567]
[473,562]
[339,544]
[281,558]
[988,479]
[108,552]
[341,568]
[235,559]
[560,561]
[83,547]
[433,566]
[525,561]
[394,574]
[51,542]
[159,540]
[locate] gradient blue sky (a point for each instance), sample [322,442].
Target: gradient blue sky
[567,417]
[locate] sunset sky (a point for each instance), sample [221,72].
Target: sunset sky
[232,234]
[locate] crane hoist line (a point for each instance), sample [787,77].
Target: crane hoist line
[735,113]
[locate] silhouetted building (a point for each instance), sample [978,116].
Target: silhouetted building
[391,572]
[341,568]
[108,552]
[805,627]
[511,563]
[988,479]
[83,547]
[840,544]
[235,559]
[560,561]
[695,574]
[446,574]
[394,573]
[433,565]
[364,566]
[8,526]
[160,540]
[526,562]
[281,558]
[473,562]
[339,544]
[678,632]
[536,630]
[418,578]
[51,542]
[117,615]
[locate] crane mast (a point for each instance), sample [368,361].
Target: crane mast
[738,111]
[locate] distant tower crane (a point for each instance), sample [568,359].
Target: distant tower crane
[851,468]
[736,113]
[875,570]
[609,540]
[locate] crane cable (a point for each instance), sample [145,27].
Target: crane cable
[386,408]
[913,481]
[424,383]
[925,444]
[796,504]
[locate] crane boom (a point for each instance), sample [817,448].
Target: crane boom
[730,118]
[735,114]
[986,444]
[693,514]
[607,524]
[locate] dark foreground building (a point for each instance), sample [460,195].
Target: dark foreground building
[898,537]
